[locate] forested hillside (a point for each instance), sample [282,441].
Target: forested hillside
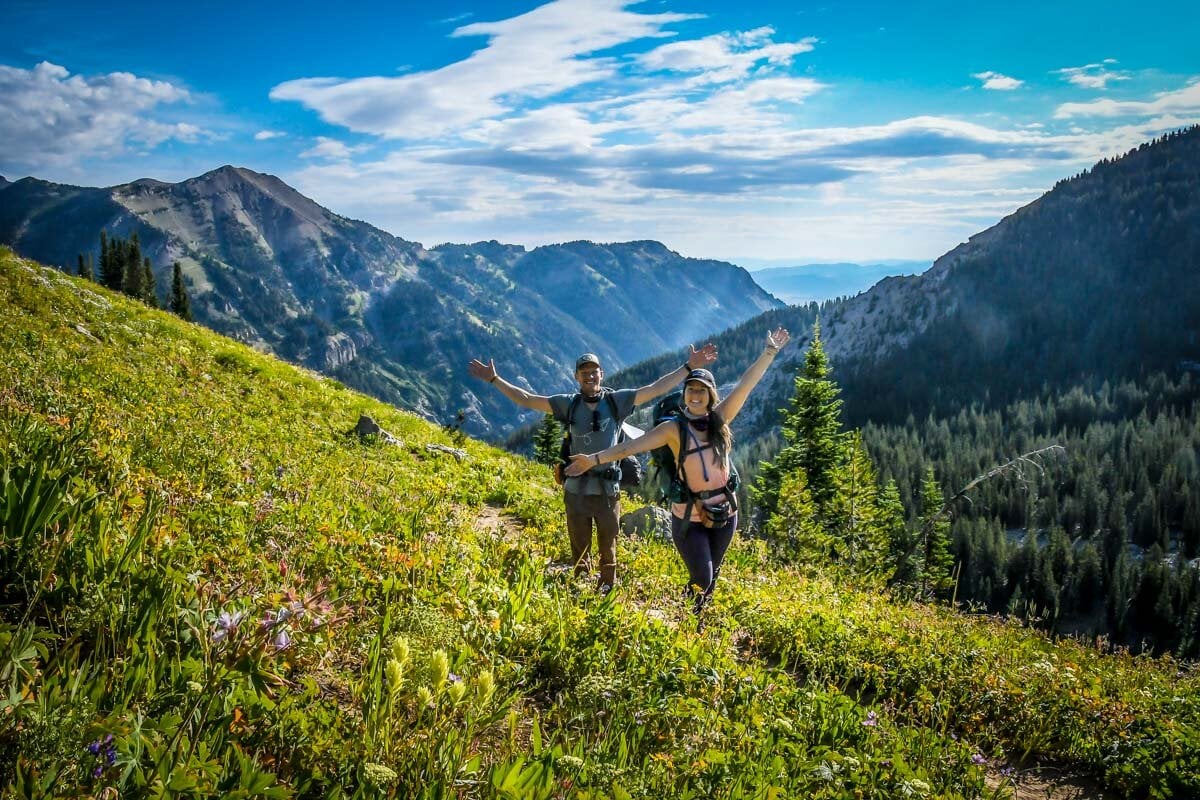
[1094,281]
[1102,540]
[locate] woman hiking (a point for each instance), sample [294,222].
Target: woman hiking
[704,507]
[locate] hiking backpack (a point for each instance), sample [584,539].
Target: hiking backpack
[670,486]
[627,472]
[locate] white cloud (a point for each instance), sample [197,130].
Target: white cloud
[1181,101]
[998,82]
[1092,76]
[725,57]
[331,150]
[263,136]
[50,117]
[533,56]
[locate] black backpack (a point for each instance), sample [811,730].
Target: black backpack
[627,471]
[668,471]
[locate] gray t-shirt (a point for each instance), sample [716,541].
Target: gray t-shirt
[586,440]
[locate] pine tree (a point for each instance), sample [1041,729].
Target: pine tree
[903,562]
[149,289]
[853,514]
[811,427]
[547,441]
[793,528]
[936,560]
[180,304]
[85,266]
[112,263]
[134,272]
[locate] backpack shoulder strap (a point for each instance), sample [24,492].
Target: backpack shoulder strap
[612,406]
[575,401]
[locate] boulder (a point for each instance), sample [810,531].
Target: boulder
[369,427]
[647,522]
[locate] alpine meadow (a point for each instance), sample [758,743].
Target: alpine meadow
[600,400]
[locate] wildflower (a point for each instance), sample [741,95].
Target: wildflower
[105,752]
[568,763]
[978,760]
[226,625]
[379,775]
[439,668]
[282,640]
[871,721]
[395,674]
[485,684]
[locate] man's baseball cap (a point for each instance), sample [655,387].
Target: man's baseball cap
[701,376]
[587,358]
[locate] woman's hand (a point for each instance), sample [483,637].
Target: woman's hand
[702,357]
[777,338]
[580,463]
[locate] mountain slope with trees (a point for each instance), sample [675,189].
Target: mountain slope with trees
[270,267]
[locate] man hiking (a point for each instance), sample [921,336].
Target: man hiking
[593,417]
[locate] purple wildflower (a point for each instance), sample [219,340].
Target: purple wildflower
[282,640]
[978,760]
[871,721]
[226,624]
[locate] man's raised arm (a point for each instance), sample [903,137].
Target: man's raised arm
[487,372]
[696,359]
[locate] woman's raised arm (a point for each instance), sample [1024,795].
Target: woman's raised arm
[732,404]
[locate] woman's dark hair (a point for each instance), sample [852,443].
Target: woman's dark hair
[719,432]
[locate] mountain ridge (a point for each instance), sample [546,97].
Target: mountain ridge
[1083,282]
[277,270]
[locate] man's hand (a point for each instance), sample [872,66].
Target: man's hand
[702,357]
[580,463]
[777,338]
[482,371]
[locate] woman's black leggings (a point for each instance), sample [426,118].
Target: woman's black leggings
[703,550]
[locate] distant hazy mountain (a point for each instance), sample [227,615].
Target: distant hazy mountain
[816,282]
[271,267]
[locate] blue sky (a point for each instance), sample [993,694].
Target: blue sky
[756,132]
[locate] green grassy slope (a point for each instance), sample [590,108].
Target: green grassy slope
[199,562]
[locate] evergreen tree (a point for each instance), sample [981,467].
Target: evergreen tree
[134,273]
[903,561]
[180,304]
[547,441]
[149,289]
[812,430]
[793,528]
[853,515]
[85,266]
[112,262]
[934,544]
